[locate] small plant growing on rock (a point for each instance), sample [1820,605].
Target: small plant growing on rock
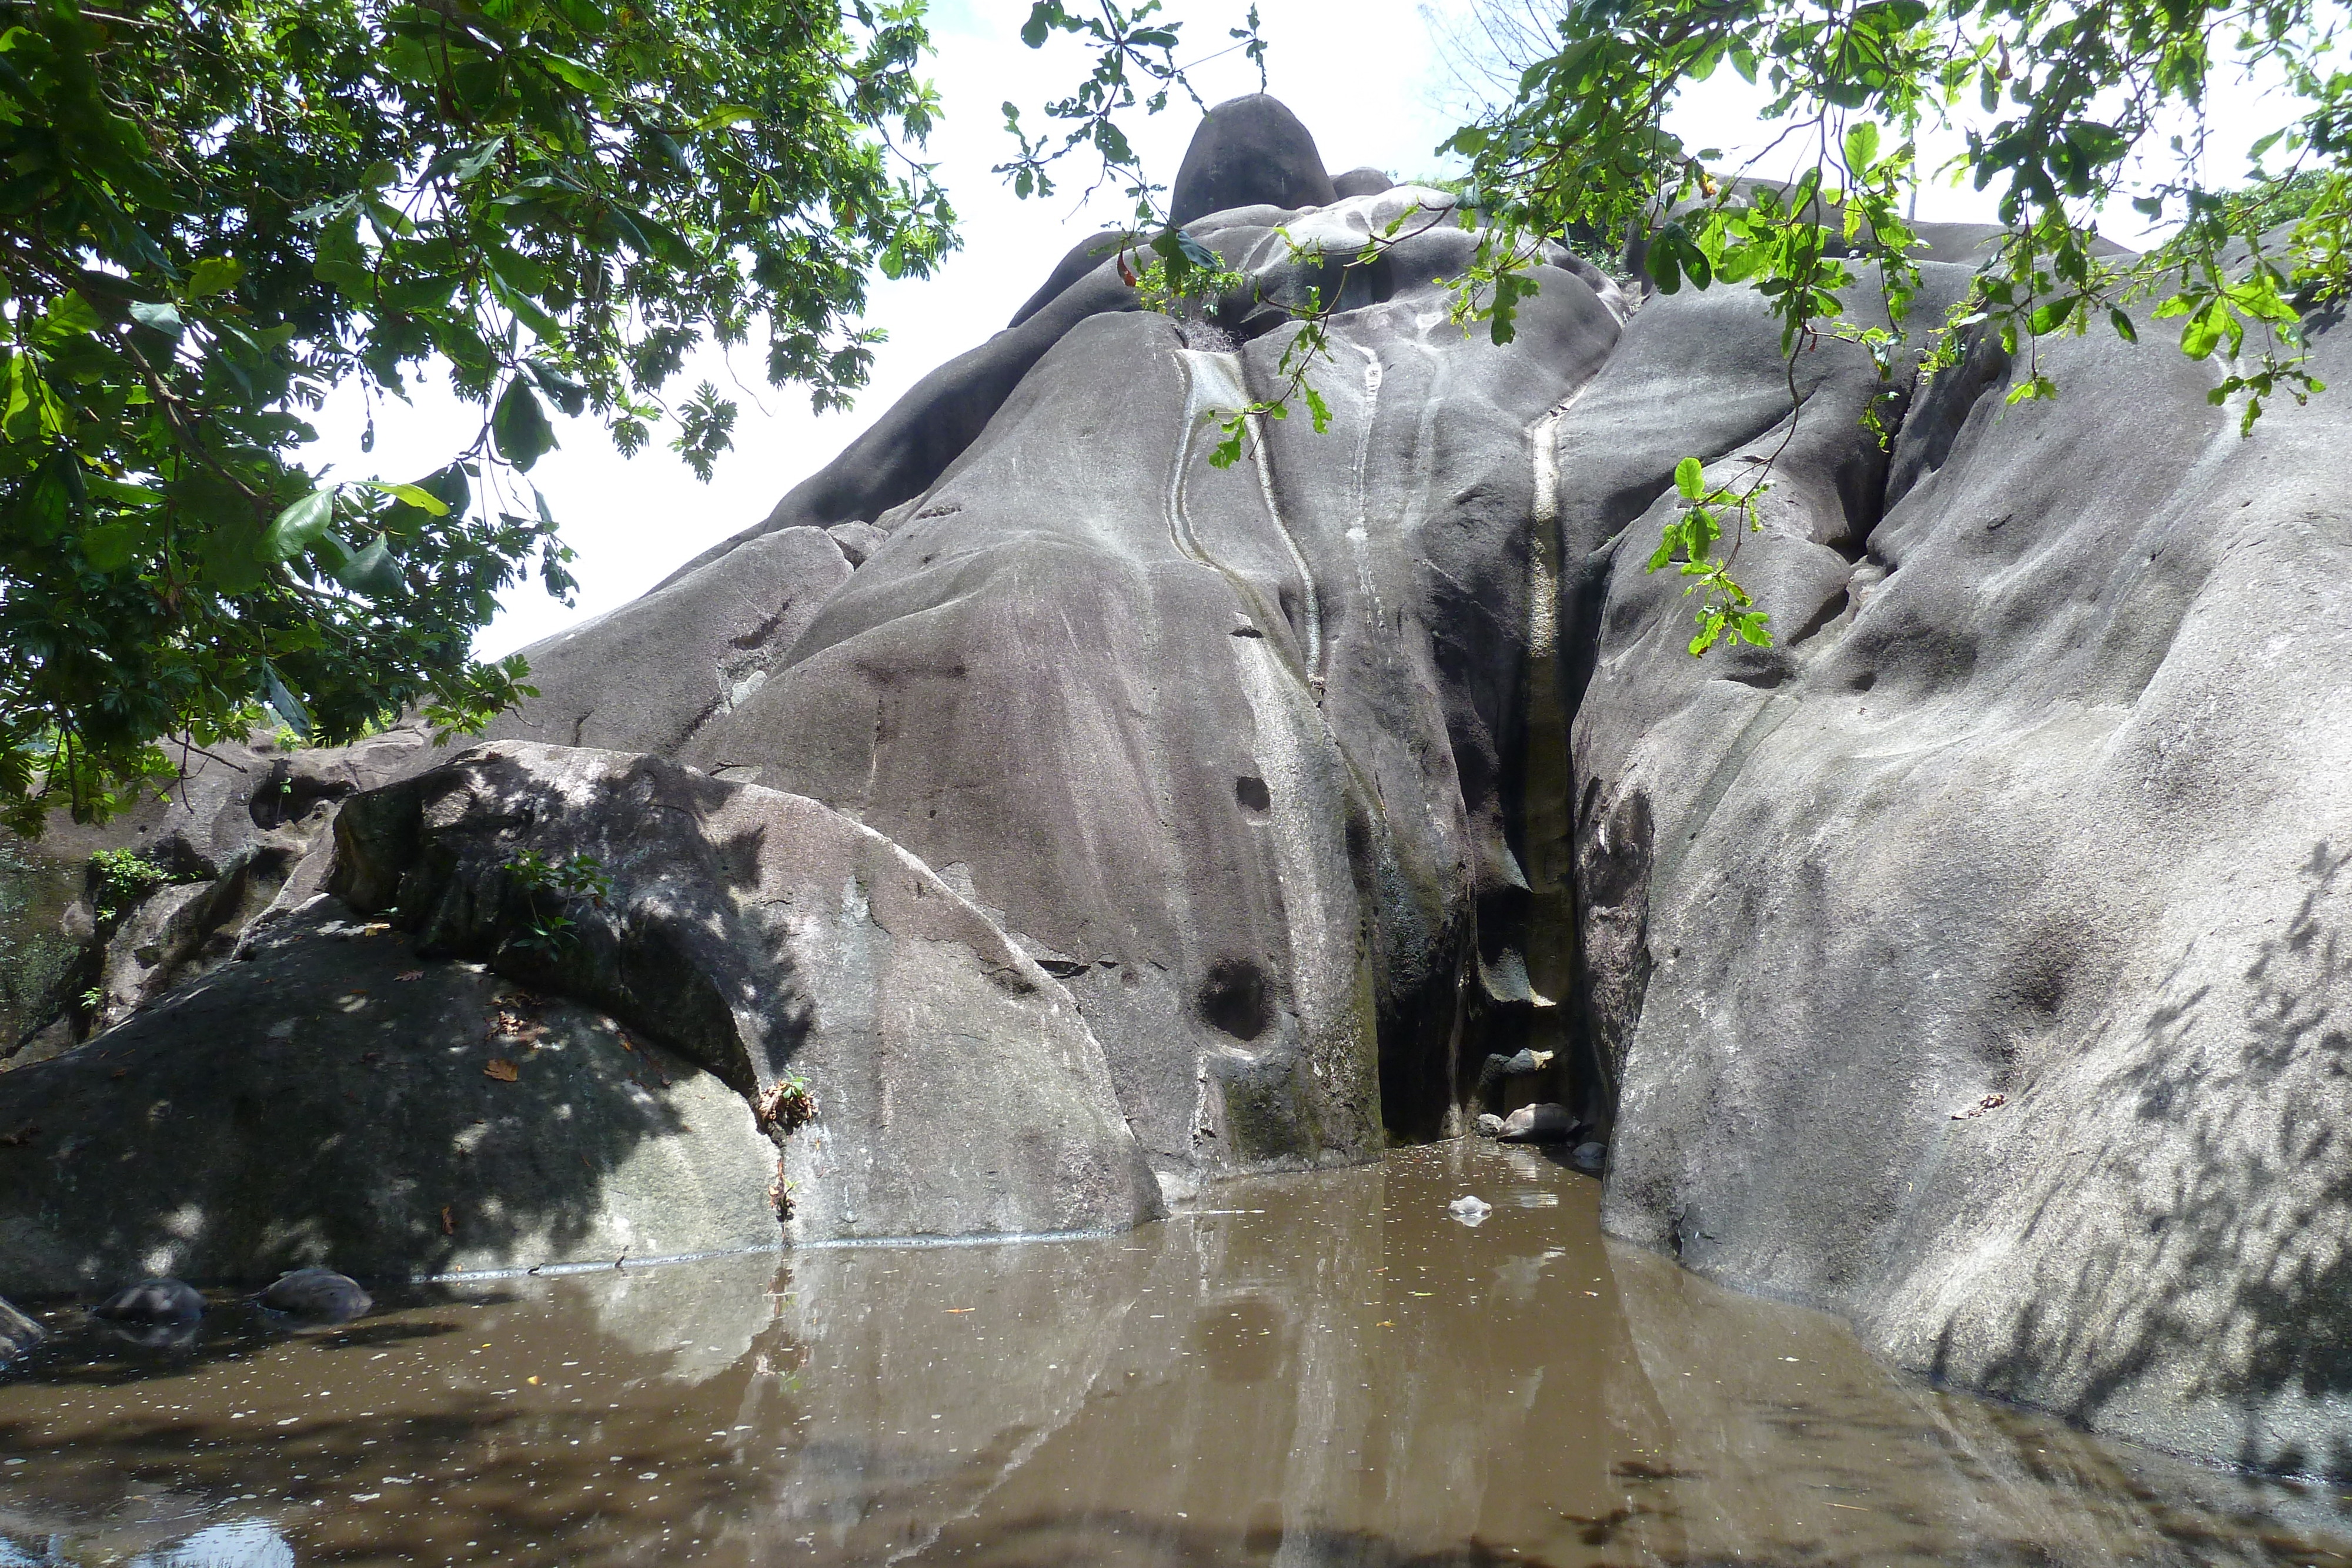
[786,1106]
[119,879]
[550,886]
[783,1108]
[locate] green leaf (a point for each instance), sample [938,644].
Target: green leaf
[108,547]
[213,274]
[158,316]
[2122,322]
[1690,478]
[521,425]
[299,525]
[1861,145]
[70,316]
[281,697]
[566,393]
[424,501]
[374,571]
[585,16]
[2203,333]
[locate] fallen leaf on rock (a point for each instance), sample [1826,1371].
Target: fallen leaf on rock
[119,1072]
[410,975]
[375,928]
[502,1070]
[515,1026]
[448,1221]
[953,1310]
[1989,1102]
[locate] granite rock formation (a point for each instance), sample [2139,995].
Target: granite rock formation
[1969,962]
[1972,964]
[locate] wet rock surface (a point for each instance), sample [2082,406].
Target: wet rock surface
[151,1302]
[317,1294]
[18,1332]
[1538,1123]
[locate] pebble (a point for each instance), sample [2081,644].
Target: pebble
[19,1333]
[1470,1210]
[1588,1156]
[321,1294]
[151,1302]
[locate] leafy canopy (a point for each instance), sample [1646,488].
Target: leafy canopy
[2060,106]
[213,211]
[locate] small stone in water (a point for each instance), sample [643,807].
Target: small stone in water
[151,1302]
[319,1293]
[1588,1156]
[19,1333]
[1470,1210]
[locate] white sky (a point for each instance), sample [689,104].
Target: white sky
[1363,76]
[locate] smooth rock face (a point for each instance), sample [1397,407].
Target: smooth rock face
[335,1098]
[2037,806]
[321,1294]
[959,1090]
[691,652]
[153,1301]
[1230,762]
[1251,151]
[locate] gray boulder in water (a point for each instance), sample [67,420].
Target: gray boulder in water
[320,1294]
[18,1332]
[151,1302]
[340,1095]
[1538,1123]
[922,1076]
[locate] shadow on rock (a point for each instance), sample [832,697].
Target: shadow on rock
[340,1100]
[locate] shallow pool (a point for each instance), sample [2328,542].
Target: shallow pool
[1324,1370]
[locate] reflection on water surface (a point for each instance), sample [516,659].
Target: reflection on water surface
[1322,1371]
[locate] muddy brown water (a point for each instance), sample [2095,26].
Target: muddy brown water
[1324,1370]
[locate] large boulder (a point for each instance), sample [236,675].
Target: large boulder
[341,1099]
[1249,152]
[1970,962]
[100,920]
[957,1089]
[1236,754]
